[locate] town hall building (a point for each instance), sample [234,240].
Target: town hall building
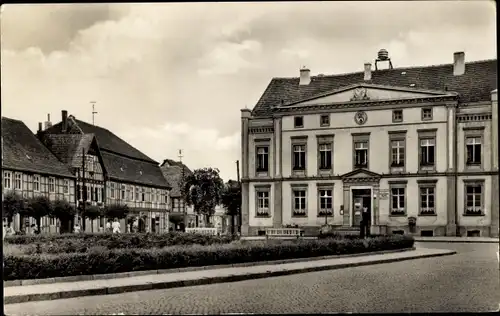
[414,147]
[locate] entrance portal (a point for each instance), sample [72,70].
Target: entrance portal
[361,199]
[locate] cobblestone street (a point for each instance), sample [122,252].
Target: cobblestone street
[467,281]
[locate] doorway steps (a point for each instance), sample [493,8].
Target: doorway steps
[347,231]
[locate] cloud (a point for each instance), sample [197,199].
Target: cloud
[166,69]
[165,140]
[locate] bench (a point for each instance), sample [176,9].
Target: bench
[283,232]
[203,230]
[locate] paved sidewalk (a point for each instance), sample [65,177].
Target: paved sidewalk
[458,239]
[41,292]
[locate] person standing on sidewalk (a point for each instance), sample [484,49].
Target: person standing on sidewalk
[116,226]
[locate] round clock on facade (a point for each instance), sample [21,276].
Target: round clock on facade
[360,117]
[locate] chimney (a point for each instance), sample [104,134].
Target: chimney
[305,76]
[48,123]
[368,71]
[458,63]
[64,120]
[39,126]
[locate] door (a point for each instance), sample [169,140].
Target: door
[367,209]
[357,211]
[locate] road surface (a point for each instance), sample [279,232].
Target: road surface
[465,282]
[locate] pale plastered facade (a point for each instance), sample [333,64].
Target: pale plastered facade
[449,125]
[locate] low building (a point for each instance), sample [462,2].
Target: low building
[406,145]
[30,169]
[110,171]
[181,214]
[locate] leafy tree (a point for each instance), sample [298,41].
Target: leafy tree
[65,212]
[91,212]
[113,211]
[231,199]
[12,204]
[203,190]
[38,207]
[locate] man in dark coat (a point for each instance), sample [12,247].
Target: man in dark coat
[365,222]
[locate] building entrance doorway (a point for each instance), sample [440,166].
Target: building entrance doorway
[361,202]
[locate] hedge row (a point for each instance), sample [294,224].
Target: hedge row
[126,260]
[79,242]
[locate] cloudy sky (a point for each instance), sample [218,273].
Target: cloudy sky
[172,76]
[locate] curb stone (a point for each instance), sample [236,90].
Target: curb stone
[110,276]
[206,280]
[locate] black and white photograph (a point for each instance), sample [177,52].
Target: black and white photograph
[274,157]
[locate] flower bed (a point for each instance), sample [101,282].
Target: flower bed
[100,261]
[83,242]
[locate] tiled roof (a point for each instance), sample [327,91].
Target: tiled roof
[172,171]
[23,151]
[121,161]
[475,85]
[107,140]
[132,170]
[68,147]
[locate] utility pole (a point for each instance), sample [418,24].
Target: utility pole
[93,111]
[239,186]
[84,190]
[183,195]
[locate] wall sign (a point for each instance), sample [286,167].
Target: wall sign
[360,117]
[383,194]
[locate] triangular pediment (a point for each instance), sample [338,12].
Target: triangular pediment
[370,92]
[360,174]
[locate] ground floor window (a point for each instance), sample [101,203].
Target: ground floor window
[325,202]
[427,200]
[299,202]
[474,198]
[263,203]
[398,205]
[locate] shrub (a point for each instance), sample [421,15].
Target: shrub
[82,242]
[100,261]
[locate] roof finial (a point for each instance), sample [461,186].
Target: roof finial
[180,155]
[93,111]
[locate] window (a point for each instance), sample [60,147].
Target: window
[299,201]
[52,185]
[398,197]
[123,190]
[397,146]
[130,193]
[427,192]
[66,187]
[137,193]
[101,197]
[166,197]
[426,114]
[112,190]
[89,194]
[89,163]
[324,120]
[7,180]
[29,182]
[153,195]
[325,201]
[474,198]
[36,183]
[298,121]
[143,195]
[325,156]
[262,158]
[473,145]
[397,116]
[78,192]
[299,157]
[18,183]
[262,202]
[361,154]
[427,152]
[93,196]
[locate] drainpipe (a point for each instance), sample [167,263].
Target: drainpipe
[455,161]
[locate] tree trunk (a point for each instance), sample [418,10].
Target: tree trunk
[232,224]
[38,221]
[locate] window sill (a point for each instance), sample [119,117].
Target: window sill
[397,215]
[263,216]
[299,215]
[425,215]
[473,215]
[325,215]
